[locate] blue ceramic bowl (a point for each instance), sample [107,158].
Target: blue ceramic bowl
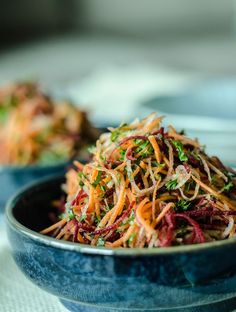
[85,278]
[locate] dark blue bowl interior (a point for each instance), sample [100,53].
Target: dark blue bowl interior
[34,208]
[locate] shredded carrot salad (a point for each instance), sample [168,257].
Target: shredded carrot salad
[36,129]
[147,187]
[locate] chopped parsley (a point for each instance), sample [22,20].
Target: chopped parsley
[108,207]
[144,147]
[71,214]
[81,175]
[141,144]
[82,217]
[171,185]
[189,185]
[117,132]
[154,163]
[227,187]
[182,205]
[147,153]
[195,155]
[183,132]
[97,180]
[103,188]
[179,147]
[97,219]
[130,219]
[91,149]
[100,242]
[131,238]
[103,158]
[122,153]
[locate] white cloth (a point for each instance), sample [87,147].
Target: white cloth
[17,294]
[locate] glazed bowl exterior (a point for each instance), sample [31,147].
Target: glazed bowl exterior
[89,278]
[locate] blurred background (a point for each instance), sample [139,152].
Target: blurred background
[122,59]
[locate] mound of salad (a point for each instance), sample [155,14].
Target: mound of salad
[35,129]
[147,186]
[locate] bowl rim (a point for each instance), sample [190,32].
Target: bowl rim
[15,225]
[33,167]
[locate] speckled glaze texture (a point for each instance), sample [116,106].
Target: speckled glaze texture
[99,279]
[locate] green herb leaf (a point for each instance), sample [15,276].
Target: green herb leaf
[116,133]
[81,175]
[119,230]
[183,132]
[147,153]
[179,147]
[100,242]
[108,208]
[97,180]
[103,188]
[182,205]
[122,153]
[82,217]
[143,146]
[154,163]
[102,157]
[171,185]
[195,155]
[71,214]
[97,219]
[91,149]
[227,187]
[189,185]
[131,238]
[130,219]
